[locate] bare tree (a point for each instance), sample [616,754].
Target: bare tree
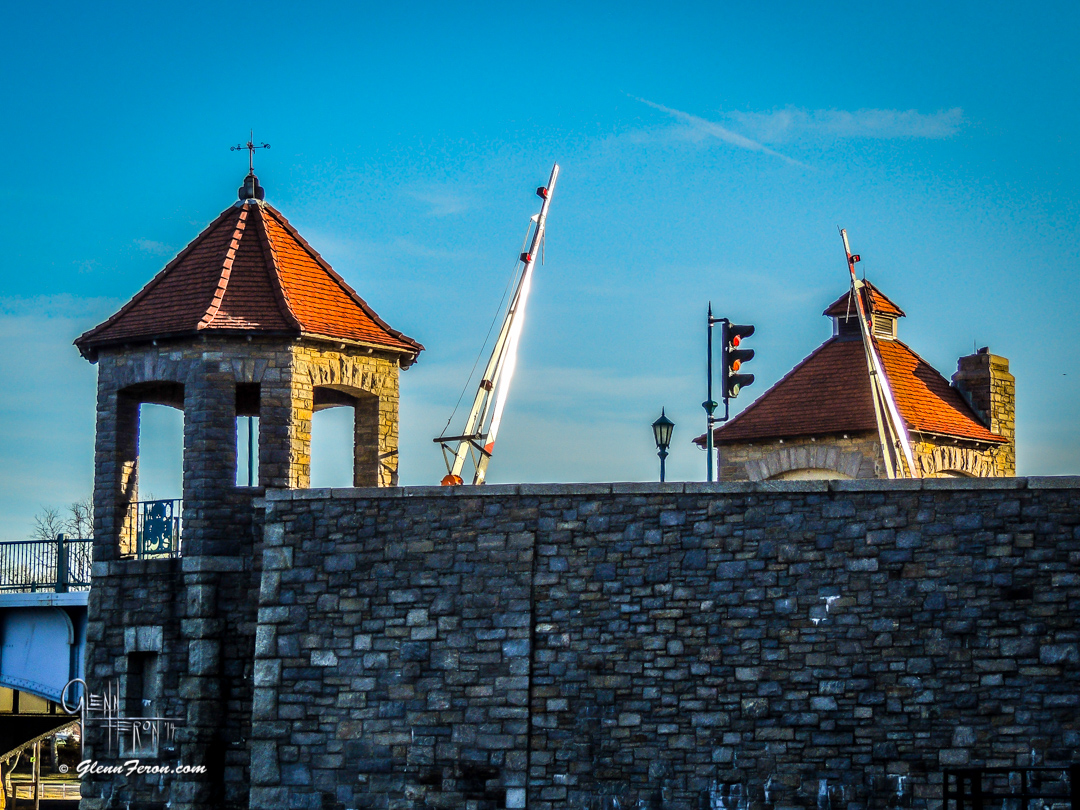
[27,564]
[80,522]
[48,523]
[77,521]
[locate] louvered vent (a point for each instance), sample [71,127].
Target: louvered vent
[884,326]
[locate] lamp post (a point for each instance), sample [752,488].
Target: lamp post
[662,428]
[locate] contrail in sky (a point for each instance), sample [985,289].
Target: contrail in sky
[707,127]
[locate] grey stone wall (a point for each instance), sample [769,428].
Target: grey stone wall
[553,645]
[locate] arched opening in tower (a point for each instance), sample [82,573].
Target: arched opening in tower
[161,452]
[344,437]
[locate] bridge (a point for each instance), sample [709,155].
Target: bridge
[44,587]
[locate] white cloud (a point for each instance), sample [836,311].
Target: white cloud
[700,128]
[753,130]
[783,125]
[442,202]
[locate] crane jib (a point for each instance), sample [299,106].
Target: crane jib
[485,416]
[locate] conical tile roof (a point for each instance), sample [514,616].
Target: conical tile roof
[249,272]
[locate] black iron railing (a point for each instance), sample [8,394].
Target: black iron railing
[1011,788]
[153,530]
[59,565]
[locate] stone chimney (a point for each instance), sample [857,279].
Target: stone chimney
[986,383]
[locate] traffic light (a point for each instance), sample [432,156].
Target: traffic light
[735,357]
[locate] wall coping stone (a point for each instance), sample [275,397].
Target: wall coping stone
[974,483]
[881,484]
[820,485]
[654,487]
[681,488]
[1053,482]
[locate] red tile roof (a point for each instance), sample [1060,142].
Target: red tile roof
[829,392]
[250,272]
[875,299]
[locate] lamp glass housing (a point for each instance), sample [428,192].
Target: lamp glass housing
[662,428]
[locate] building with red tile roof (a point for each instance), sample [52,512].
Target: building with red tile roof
[818,421]
[249,273]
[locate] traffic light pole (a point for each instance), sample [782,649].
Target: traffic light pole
[710,404]
[731,359]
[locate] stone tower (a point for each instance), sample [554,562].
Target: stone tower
[248,320]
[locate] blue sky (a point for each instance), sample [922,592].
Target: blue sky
[707,153]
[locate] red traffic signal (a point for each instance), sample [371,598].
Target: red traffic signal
[735,358]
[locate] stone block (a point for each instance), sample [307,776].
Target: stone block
[203,656]
[267,673]
[1059,654]
[276,558]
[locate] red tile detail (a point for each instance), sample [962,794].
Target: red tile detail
[248,270]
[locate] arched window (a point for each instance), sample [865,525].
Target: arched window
[344,437]
[150,448]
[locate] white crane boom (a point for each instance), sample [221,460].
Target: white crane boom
[880,390]
[485,417]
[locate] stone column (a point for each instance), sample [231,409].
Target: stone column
[209,546]
[388,432]
[367,441]
[209,460]
[276,427]
[116,457]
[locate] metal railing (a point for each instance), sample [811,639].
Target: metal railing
[1011,788]
[60,565]
[152,530]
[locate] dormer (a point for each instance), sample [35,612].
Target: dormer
[884,314]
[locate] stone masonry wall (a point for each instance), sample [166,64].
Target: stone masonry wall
[854,456]
[552,645]
[858,456]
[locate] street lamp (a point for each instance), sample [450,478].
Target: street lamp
[661,429]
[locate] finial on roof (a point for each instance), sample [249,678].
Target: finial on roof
[251,190]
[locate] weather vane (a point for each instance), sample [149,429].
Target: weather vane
[251,147]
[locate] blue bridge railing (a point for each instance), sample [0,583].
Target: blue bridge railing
[60,565]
